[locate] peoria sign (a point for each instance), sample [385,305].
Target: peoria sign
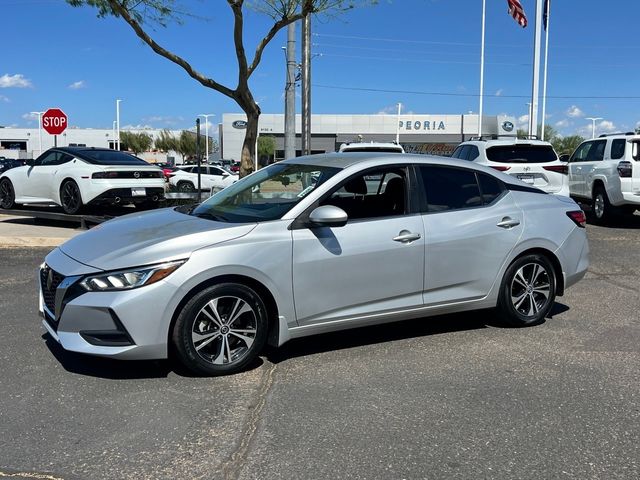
[422,126]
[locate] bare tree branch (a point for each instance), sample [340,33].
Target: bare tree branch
[122,11]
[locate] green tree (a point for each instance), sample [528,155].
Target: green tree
[186,145]
[140,14]
[136,142]
[166,141]
[568,144]
[266,149]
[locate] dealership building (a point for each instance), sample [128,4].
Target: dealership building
[428,134]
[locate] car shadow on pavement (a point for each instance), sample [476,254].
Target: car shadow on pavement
[631,222]
[419,327]
[107,367]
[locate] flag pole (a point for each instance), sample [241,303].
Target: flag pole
[546,59]
[484,6]
[535,91]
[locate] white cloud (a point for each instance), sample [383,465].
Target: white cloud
[499,92]
[170,121]
[30,116]
[136,127]
[606,126]
[15,81]
[522,122]
[77,85]
[4,99]
[564,123]
[574,112]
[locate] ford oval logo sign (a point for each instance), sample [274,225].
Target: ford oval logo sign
[239,124]
[507,126]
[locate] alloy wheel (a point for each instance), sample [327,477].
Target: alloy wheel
[70,197]
[7,194]
[530,289]
[598,205]
[224,330]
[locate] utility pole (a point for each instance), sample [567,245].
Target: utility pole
[306,85]
[198,156]
[118,124]
[206,133]
[290,95]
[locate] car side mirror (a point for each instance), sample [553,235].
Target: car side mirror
[225,174]
[328,216]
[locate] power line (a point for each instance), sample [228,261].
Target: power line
[452,94]
[426,42]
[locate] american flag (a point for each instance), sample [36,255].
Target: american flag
[517,12]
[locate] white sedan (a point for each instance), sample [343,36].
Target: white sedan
[185,179]
[72,177]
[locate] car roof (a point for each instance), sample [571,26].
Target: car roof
[374,159]
[506,142]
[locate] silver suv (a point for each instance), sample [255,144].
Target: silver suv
[605,172]
[532,161]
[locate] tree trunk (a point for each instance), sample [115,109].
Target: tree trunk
[249,148]
[247,160]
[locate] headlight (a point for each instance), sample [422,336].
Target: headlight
[128,279]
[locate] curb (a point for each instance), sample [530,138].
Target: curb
[17,242]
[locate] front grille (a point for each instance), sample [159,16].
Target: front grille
[49,281]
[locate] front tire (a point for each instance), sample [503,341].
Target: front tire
[220,330]
[528,291]
[7,194]
[70,198]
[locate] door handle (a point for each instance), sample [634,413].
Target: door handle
[508,222]
[405,236]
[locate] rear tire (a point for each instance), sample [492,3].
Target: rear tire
[7,194]
[70,198]
[186,187]
[220,330]
[602,209]
[528,291]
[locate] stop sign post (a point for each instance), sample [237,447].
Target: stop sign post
[54,122]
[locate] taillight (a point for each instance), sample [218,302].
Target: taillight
[625,169]
[578,217]
[105,175]
[563,169]
[500,168]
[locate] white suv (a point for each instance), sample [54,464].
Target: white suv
[605,172]
[380,147]
[532,161]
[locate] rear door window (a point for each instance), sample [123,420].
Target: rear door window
[449,188]
[521,154]
[617,148]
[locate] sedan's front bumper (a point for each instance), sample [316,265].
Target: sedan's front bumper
[130,324]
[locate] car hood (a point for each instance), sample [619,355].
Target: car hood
[147,238]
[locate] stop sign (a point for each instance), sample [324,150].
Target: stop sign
[54,121]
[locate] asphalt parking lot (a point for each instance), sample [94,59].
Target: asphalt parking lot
[453,396]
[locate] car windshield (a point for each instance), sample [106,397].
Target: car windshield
[109,157]
[266,195]
[521,154]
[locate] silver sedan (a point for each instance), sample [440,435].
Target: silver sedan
[312,245]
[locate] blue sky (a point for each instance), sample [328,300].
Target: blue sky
[422,53]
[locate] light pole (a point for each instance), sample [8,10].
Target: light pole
[206,132]
[114,134]
[118,124]
[39,131]
[529,114]
[398,124]
[593,125]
